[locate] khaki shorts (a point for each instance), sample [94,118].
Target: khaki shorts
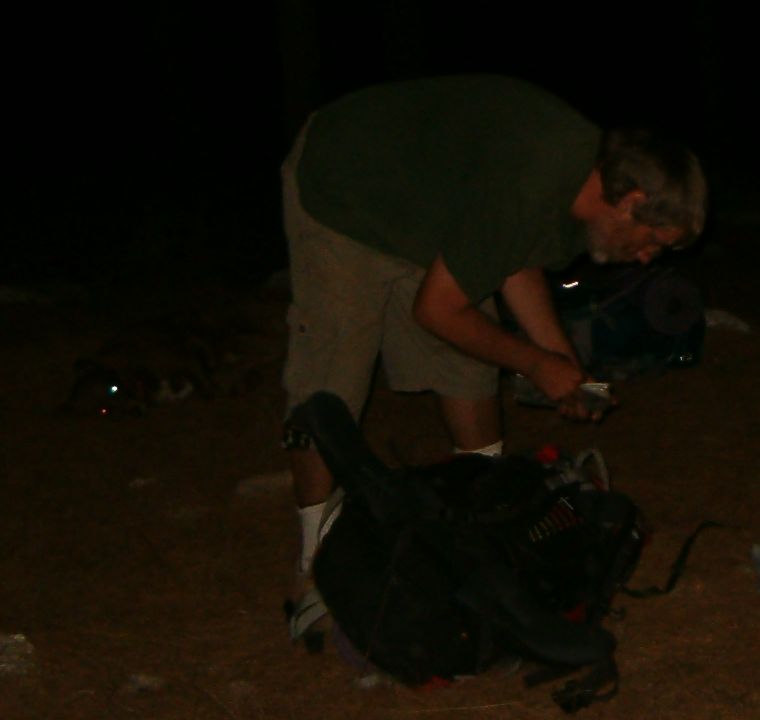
[352,304]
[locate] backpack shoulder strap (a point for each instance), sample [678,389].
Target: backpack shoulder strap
[327,419]
[391,496]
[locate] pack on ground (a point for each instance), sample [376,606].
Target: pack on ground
[440,571]
[627,320]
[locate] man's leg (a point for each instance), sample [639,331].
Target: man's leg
[312,485]
[312,481]
[335,326]
[475,425]
[415,360]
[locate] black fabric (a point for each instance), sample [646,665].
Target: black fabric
[641,320]
[440,571]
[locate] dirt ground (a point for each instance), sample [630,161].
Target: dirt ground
[144,561]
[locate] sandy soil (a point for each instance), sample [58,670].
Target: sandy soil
[144,561]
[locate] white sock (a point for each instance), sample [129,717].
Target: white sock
[310,517]
[493,450]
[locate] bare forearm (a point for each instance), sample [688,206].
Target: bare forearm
[527,295]
[546,357]
[479,336]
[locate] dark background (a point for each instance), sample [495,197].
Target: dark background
[143,144]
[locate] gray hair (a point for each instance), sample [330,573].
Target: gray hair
[664,169]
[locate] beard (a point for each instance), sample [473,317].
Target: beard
[604,240]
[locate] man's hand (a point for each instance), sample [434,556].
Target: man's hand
[547,358]
[556,376]
[573,407]
[588,402]
[559,379]
[557,372]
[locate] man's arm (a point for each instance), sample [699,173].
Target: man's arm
[442,308]
[527,295]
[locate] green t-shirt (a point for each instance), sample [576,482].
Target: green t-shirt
[480,168]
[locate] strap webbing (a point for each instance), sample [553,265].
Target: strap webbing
[678,565]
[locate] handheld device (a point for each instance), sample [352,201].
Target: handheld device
[597,396]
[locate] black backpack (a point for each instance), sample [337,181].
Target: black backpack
[441,571]
[626,320]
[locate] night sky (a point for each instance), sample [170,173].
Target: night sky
[145,141]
